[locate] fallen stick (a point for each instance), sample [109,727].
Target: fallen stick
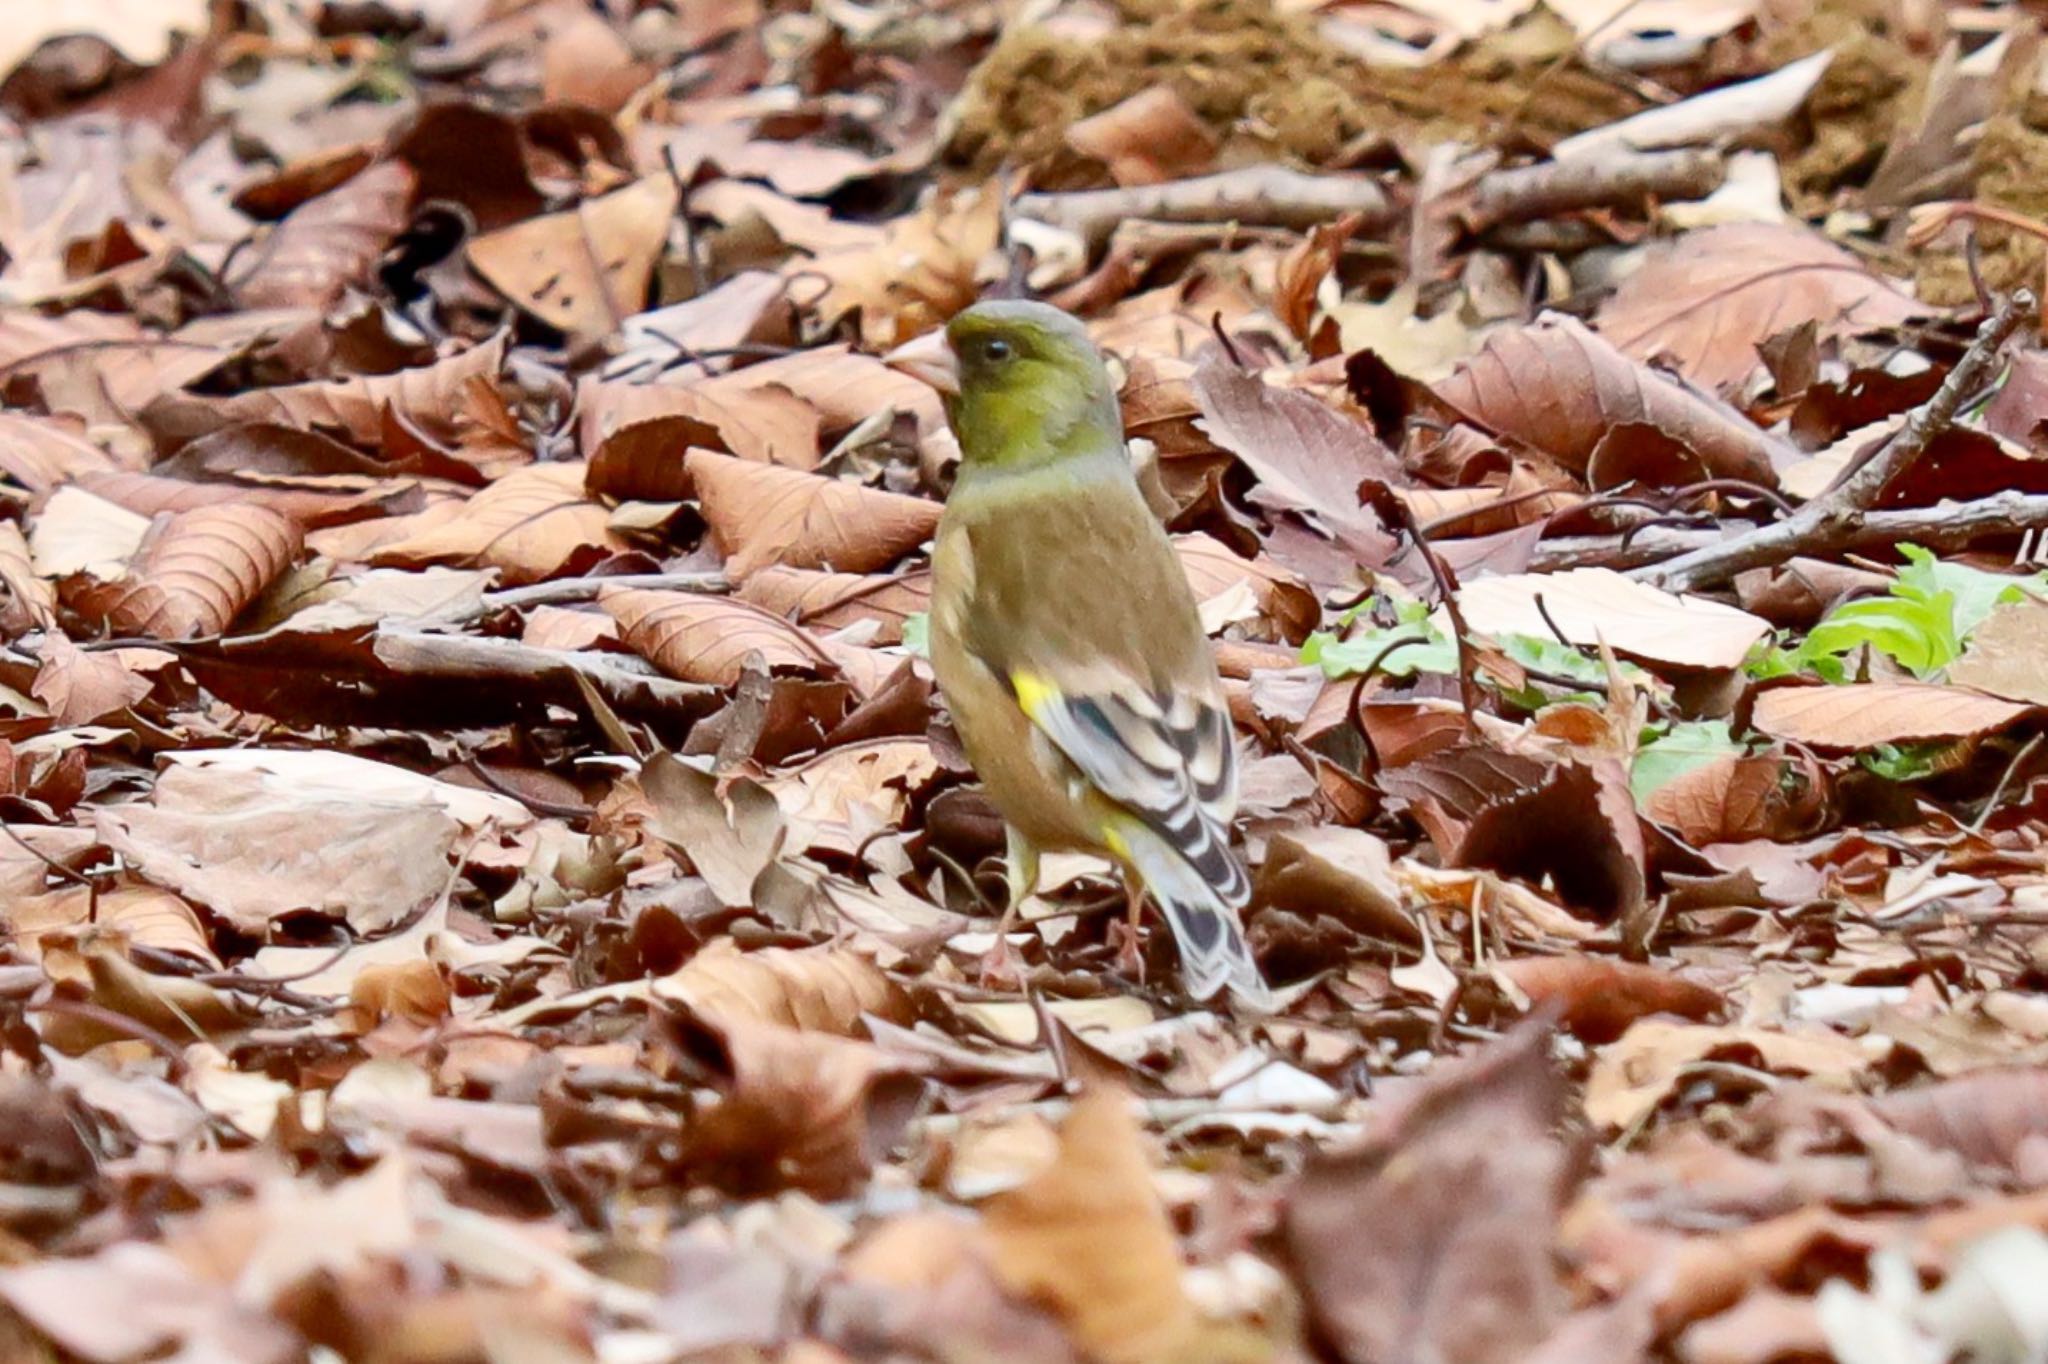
[1831,521]
[1266,196]
[1555,187]
[1944,526]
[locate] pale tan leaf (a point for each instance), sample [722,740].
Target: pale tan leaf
[1287,607]
[586,269]
[1865,714]
[1590,605]
[762,515]
[30,604]
[533,523]
[1090,1237]
[833,601]
[822,990]
[1563,389]
[80,687]
[760,421]
[195,573]
[1711,297]
[329,242]
[708,639]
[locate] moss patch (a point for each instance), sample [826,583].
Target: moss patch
[1267,83]
[2011,166]
[1872,84]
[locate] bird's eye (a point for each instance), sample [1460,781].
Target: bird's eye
[995,351]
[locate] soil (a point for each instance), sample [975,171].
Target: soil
[1268,83]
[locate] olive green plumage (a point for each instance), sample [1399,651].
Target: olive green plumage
[1067,644]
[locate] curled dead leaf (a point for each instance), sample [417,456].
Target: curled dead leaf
[763,514]
[822,990]
[708,639]
[1596,998]
[195,573]
[533,523]
[833,601]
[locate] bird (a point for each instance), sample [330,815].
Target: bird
[1066,642]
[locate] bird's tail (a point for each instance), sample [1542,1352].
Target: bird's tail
[1213,952]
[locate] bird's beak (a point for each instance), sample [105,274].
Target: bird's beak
[929,359]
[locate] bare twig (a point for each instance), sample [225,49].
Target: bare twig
[586,589]
[1628,177]
[1834,520]
[1265,195]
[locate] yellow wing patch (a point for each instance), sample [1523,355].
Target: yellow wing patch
[1034,693]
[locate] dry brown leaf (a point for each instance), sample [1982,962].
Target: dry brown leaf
[833,601]
[1308,458]
[1865,714]
[2004,656]
[1597,998]
[80,687]
[1562,389]
[42,452]
[1462,1186]
[533,523]
[1712,297]
[1592,605]
[29,603]
[920,273]
[328,243]
[1088,1237]
[1632,1075]
[585,270]
[196,571]
[759,421]
[1733,798]
[795,1110]
[822,990]
[1288,609]
[763,515]
[1152,136]
[708,639]
[356,408]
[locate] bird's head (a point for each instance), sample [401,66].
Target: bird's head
[1023,384]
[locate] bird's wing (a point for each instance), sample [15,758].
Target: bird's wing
[1167,759]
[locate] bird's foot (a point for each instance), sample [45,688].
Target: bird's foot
[1000,968]
[1130,950]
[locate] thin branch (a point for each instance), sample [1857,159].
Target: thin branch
[1833,520]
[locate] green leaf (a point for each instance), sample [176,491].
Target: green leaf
[1430,652]
[1685,747]
[917,633]
[1906,762]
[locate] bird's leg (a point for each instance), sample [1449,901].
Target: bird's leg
[1020,878]
[1130,954]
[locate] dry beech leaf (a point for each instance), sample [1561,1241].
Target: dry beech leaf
[642,461]
[1733,799]
[824,990]
[1150,137]
[585,270]
[1865,714]
[833,601]
[1285,602]
[29,604]
[1597,998]
[533,523]
[328,243]
[1562,389]
[1462,1184]
[81,686]
[1712,297]
[707,639]
[794,1111]
[1309,458]
[1590,605]
[356,408]
[756,420]
[1632,1075]
[762,515]
[1089,1237]
[2004,656]
[917,275]
[196,571]
[42,452]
